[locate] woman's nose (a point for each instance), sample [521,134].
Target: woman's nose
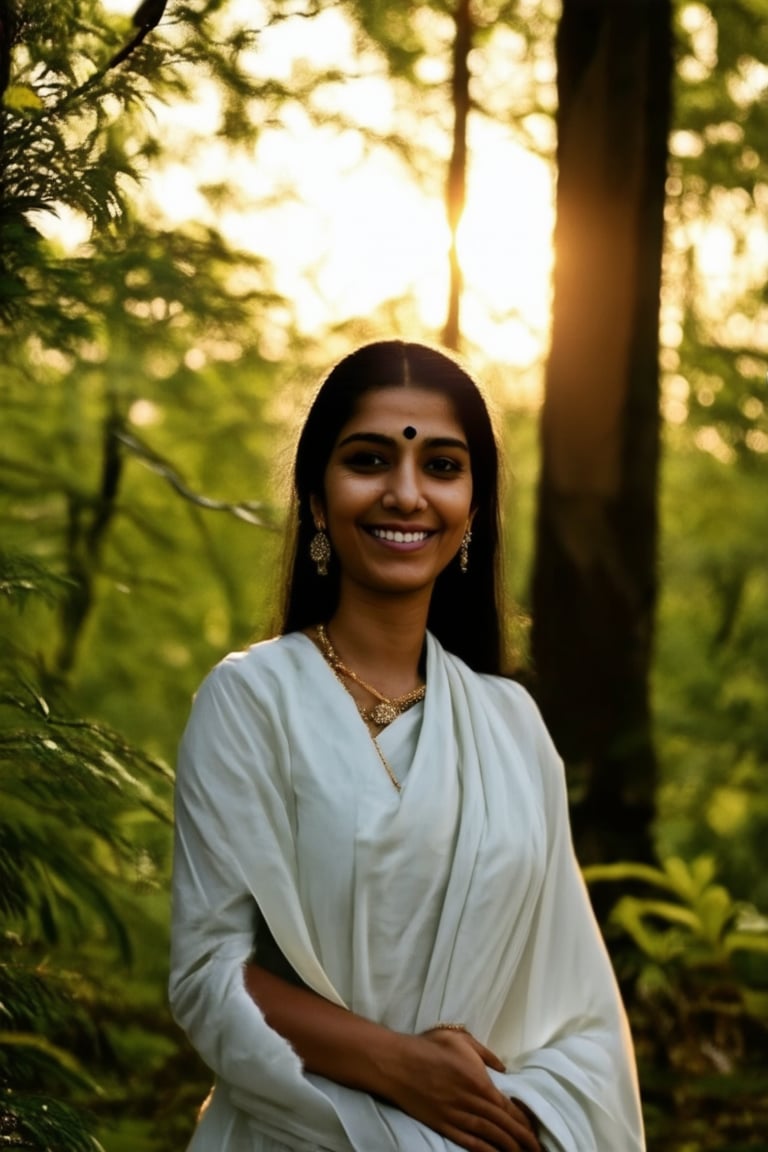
[404,490]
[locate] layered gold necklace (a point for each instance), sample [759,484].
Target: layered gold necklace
[387,708]
[384,711]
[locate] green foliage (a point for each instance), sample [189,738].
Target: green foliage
[30,1126]
[719,91]
[701,926]
[121,358]
[78,844]
[116,357]
[143,415]
[717,191]
[695,978]
[712,654]
[712,648]
[72,793]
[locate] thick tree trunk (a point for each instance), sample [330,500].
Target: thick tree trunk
[595,569]
[456,185]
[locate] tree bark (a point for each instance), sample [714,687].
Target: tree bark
[594,580]
[456,185]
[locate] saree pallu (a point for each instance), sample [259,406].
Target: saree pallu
[458,898]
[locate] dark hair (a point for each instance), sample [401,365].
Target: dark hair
[464,610]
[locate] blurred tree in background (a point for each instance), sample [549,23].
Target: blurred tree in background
[594,583]
[153,366]
[103,544]
[710,681]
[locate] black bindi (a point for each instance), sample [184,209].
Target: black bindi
[409,432]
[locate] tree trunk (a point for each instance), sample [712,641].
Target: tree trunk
[456,185]
[594,581]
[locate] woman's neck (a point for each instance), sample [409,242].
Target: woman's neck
[382,642]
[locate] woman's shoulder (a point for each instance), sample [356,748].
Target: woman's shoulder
[236,725]
[515,705]
[508,703]
[258,666]
[264,654]
[510,689]
[497,687]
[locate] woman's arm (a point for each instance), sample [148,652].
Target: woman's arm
[258,1032]
[439,1077]
[569,1051]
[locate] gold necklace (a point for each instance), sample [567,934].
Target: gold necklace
[387,708]
[394,707]
[385,762]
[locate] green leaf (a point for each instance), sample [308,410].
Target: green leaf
[746,942]
[21,98]
[64,1061]
[714,908]
[756,1003]
[661,945]
[626,870]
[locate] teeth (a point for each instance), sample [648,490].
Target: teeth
[399,537]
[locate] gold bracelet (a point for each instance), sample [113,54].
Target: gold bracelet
[449,1025]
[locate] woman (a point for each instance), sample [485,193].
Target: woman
[381,940]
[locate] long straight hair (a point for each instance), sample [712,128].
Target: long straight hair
[464,612]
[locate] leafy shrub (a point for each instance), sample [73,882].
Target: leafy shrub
[693,963]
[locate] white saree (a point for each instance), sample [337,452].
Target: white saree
[457,899]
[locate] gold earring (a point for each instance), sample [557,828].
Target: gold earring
[464,551]
[320,549]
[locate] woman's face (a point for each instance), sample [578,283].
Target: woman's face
[398,491]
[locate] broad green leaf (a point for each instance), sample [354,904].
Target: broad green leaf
[714,908]
[21,98]
[623,871]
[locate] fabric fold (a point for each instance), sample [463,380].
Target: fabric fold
[458,898]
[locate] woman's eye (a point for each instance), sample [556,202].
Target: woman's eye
[445,465]
[365,460]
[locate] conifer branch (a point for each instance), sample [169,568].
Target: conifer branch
[146,17]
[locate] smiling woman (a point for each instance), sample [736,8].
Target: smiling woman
[396,508]
[456,450]
[381,938]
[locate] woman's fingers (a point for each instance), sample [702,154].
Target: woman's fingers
[515,1108]
[529,1120]
[527,1135]
[490,1059]
[499,1132]
[442,1080]
[498,1122]
[476,1143]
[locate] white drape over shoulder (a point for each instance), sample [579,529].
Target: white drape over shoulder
[457,899]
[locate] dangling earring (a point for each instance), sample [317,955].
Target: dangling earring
[320,549]
[464,551]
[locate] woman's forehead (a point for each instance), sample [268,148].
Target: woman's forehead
[408,411]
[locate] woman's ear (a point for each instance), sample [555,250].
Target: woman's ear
[318,513]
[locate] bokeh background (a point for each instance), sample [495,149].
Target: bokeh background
[202,206]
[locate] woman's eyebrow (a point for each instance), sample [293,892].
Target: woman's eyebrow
[389,441]
[446,442]
[369,437]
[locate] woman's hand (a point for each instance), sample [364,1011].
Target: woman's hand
[441,1080]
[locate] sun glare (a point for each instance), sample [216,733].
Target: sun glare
[346,226]
[505,247]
